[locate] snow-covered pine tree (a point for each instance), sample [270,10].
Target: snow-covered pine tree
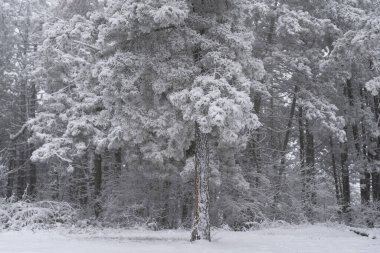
[176,83]
[69,127]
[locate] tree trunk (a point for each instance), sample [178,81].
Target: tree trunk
[11,175]
[32,190]
[21,183]
[375,186]
[301,137]
[375,173]
[365,186]
[346,198]
[310,172]
[118,162]
[285,145]
[256,150]
[335,174]
[201,205]
[97,184]
[365,177]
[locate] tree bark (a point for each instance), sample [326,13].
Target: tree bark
[285,145]
[310,172]
[301,137]
[201,205]
[11,175]
[375,173]
[21,182]
[32,190]
[97,184]
[256,150]
[335,174]
[375,186]
[118,162]
[346,196]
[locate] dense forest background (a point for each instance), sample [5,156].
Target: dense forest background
[191,113]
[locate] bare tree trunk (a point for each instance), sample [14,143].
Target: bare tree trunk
[375,186]
[375,174]
[310,172]
[365,182]
[32,190]
[118,162]
[201,205]
[301,137]
[285,145]
[256,150]
[97,184]
[21,182]
[26,172]
[335,174]
[346,196]
[365,186]
[81,183]
[11,174]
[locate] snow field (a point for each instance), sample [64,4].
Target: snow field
[294,239]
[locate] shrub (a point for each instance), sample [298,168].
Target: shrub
[37,215]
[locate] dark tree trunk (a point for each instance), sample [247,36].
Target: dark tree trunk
[26,171]
[365,186]
[285,145]
[376,186]
[32,190]
[335,174]
[11,174]
[21,182]
[81,184]
[301,137]
[97,184]
[201,205]
[310,172]
[256,150]
[346,196]
[365,177]
[56,186]
[118,162]
[375,173]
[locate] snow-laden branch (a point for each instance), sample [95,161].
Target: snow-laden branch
[63,158]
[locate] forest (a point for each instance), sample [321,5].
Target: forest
[189,114]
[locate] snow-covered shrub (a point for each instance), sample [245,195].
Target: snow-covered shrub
[62,212]
[30,216]
[366,215]
[38,215]
[4,218]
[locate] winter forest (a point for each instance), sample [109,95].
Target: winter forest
[190,115]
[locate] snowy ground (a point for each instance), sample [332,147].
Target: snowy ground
[302,239]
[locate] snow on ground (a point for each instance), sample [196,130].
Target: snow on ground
[302,239]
